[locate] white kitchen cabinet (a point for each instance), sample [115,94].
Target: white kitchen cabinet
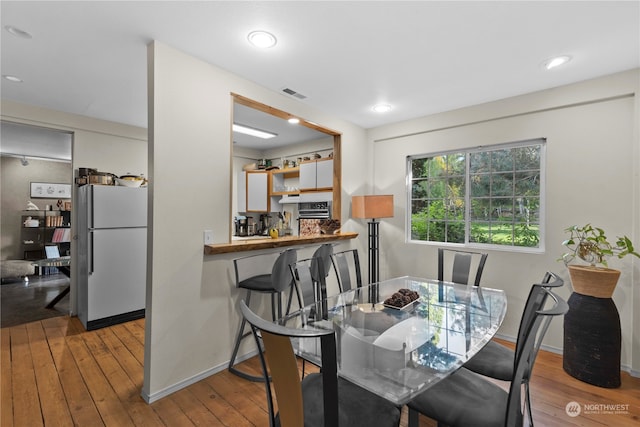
[258,191]
[316,175]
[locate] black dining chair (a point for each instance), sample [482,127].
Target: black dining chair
[465,398]
[319,399]
[309,284]
[275,283]
[347,266]
[309,281]
[462,263]
[497,361]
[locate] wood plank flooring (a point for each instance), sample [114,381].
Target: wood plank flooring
[53,373]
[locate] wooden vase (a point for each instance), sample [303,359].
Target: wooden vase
[593,281]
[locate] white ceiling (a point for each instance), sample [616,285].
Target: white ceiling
[422,57]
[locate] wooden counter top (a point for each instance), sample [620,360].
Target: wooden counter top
[268,243]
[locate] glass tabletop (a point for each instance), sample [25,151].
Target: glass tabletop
[397,351]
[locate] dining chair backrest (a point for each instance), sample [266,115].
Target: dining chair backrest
[281,362]
[537,298]
[347,266]
[528,344]
[309,280]
[462,263]
[322,255]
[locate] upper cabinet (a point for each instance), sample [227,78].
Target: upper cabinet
[257,191]
[316,175]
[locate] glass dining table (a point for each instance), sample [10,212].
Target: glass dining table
[398,337]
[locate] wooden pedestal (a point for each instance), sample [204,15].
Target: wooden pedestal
[592,340]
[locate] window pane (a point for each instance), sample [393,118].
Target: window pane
[436,231]
[437,166]
[437,188]
[480,232]
[480,209]
[502,233]
[502,184]
[527,183]
[501,208]
[456,186]
[418,206]
[501,160]
[480,162]
[455,209]
[527,158]
[455,232]
[420,189]
[480,185]
[419,168]
[456,164]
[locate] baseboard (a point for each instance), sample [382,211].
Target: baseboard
[556,350]
[153,397]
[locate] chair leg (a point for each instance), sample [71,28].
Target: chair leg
[414,418]
[527,402]
[242,335]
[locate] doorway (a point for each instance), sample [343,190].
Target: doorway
[36,185]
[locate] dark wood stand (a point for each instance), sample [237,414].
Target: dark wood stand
[592,340]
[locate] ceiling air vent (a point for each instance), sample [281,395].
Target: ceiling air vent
[293,93]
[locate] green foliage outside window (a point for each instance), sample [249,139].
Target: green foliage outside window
[496,192]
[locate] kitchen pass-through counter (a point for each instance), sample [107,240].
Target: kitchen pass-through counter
[268,243]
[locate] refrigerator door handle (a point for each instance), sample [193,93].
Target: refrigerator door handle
[90,254]
[90,217]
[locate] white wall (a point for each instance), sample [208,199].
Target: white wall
[107,146]
[192,300]
[592,176]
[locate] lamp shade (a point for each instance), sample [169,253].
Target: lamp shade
[372,206]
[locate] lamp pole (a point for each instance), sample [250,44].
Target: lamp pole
[374,258]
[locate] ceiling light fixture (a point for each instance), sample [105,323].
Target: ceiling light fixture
[556,61]
[382,108]
[253,131]
[17,32]
[13,79]
[262,39]
[294,120]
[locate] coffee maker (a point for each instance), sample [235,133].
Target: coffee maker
[264,224]
[243,226]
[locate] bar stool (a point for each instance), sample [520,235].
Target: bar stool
[275,284]
[322,255]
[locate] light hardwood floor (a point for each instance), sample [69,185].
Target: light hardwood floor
[54,373]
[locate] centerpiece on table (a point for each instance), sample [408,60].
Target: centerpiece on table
[590,244]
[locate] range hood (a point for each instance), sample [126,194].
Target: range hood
[324,196]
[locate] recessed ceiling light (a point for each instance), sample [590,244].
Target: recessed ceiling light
[262,39]
[381,108]
[556,61]
[294,120]
[12,78]
[17,32]
[253,131]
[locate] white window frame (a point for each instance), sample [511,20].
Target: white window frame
[467,222]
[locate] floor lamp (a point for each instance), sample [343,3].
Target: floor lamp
[373,207]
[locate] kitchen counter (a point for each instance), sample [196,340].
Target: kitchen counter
[268,243]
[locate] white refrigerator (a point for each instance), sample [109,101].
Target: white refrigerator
[112,254]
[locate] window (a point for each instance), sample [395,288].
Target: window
[484,196]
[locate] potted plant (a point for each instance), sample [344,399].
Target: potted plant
[590,244]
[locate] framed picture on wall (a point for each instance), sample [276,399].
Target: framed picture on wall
[49,190]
